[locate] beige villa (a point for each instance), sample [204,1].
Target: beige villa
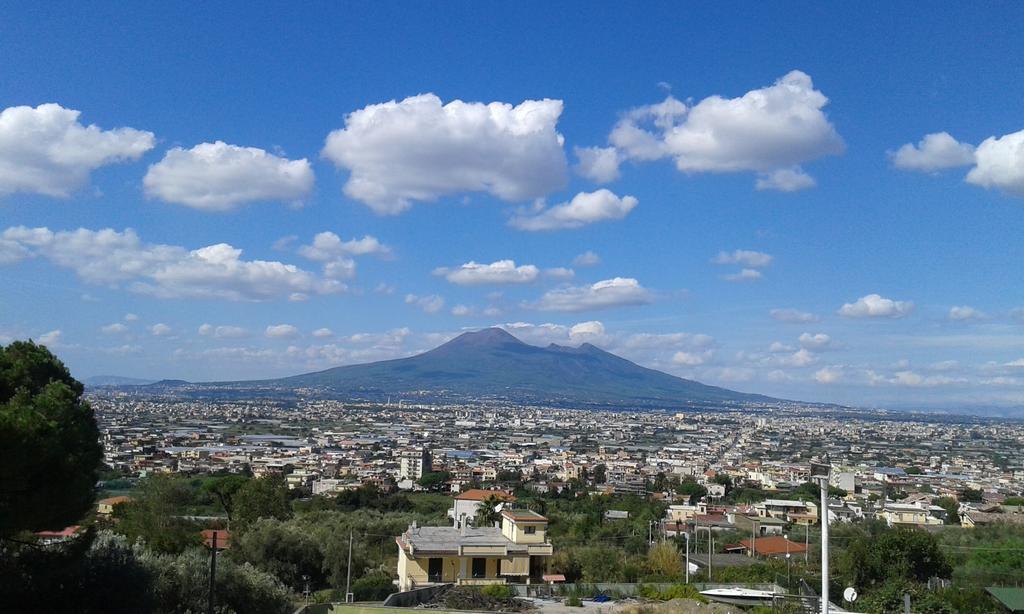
[466,555]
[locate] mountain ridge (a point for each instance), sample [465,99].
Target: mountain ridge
[492,363]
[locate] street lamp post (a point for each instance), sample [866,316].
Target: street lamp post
[789,571]
[820,472]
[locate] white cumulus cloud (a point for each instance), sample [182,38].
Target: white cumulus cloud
[109,257]
[966,312]
[501,272]
[745,257]
[785,180]
[587,258]
[223,332]
[46,150]
[322,333]
[1000,164]
[584,208]
[828,375]
[329,246]
[792,316]
[934,152]
[114,329]
[689,359]
[429,304]
[282,331]
[600,164]
[606,294]
[420,150]
[160,330]
[220,177]
[816,342]
[875,306]
[770,131]
[744,275]
[51,338]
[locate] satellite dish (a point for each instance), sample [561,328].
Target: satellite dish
[850,594]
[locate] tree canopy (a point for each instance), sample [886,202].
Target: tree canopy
[49,443]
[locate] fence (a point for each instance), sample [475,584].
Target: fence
[624,589]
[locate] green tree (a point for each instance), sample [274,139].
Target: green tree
[971,495]
[893,554]
[952,509]
[434,480]
[224,489]
[374,586]
[285,550]
[663,560]
[155,515]
[689,487]
[486,514]
[564,561]
[265,497]
[49,443]
[601,563]
[600,474]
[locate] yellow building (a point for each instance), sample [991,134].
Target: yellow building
[468,555]
[105,507]
[911,514]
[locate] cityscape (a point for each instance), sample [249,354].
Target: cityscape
[488,307]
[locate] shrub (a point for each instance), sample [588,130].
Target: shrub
[499,591]
[675,591]
[375,586]
[573,602]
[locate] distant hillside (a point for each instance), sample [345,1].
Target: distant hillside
[492,363]
[115,380]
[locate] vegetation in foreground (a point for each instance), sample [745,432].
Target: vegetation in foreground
[149,558]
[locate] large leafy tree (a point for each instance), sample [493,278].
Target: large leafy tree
[265,497]
[49,442]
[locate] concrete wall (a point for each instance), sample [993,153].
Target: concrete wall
[409,599]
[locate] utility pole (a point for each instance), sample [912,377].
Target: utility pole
[687,554]
[348,572]
[213,571]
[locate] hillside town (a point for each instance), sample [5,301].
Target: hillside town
[887,466]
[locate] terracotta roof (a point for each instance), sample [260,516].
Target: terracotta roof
[115,500]
[65,532]
[479,494]
[774,545]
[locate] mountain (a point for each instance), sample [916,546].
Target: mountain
[491,363]
[97,381]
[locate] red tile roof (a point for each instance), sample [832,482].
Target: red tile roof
[774,545]
[479,494]
[65,532]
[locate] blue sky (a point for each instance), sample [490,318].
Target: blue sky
[802,200]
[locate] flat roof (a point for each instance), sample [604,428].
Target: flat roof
[523,516]
[449,539]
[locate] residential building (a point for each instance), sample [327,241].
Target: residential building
[466,555]
[465,505]
[414,464]
[105,507]
[776,546]
[911,514]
